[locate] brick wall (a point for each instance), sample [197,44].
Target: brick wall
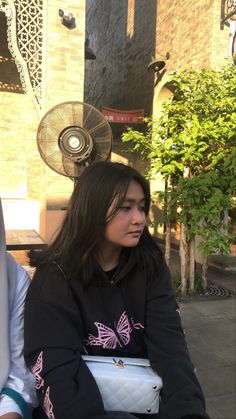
[64,59]
[190,31]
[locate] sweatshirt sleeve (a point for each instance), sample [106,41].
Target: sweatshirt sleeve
[19,378]
[181,395]
[53,328]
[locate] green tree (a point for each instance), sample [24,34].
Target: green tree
[193,145]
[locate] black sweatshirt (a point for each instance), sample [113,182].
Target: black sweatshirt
[132,315]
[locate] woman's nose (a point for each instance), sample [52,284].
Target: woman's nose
[138,216]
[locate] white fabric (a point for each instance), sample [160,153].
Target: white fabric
[19,379]
[4,315]
[126,384]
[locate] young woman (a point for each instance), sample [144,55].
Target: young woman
[104,272]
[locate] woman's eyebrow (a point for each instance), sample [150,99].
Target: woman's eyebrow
[131,200]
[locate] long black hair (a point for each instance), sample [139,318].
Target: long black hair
[76,246]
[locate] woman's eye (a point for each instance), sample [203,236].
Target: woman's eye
[125,208]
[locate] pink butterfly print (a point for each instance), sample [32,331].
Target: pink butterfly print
[107,338]
[138,326]
[48,406]
[36,370]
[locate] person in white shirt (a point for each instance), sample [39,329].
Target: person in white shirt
[17,393]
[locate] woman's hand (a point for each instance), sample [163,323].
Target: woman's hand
[11,415]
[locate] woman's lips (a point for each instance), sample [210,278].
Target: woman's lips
[135,233]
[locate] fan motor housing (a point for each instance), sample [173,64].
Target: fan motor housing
[75,143]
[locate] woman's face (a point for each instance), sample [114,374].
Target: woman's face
[126,227]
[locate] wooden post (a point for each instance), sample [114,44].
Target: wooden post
[204,272]
[168,223]
[183,252]
[168,243]
[191,265]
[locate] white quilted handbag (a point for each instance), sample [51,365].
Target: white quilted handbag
[126,384]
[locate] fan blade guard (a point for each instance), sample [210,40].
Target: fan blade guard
[72,135]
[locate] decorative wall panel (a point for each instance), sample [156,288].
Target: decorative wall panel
[25,42]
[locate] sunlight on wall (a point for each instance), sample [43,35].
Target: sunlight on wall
[21,214]
[130,18]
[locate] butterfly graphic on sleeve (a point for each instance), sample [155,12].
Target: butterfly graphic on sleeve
[108,338]
[48,406]
[36,370]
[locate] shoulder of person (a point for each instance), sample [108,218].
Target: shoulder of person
[160,276]
[49,282]
[18,281]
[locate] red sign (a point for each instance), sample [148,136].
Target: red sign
[123,117]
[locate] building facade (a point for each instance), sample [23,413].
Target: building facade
[139,43]
[127,36]
[42,65]
[193,33]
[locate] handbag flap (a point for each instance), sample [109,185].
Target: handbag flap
[111,360]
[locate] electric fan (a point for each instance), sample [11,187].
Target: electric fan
[72,135]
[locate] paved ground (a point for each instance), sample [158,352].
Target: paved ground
[211,335]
